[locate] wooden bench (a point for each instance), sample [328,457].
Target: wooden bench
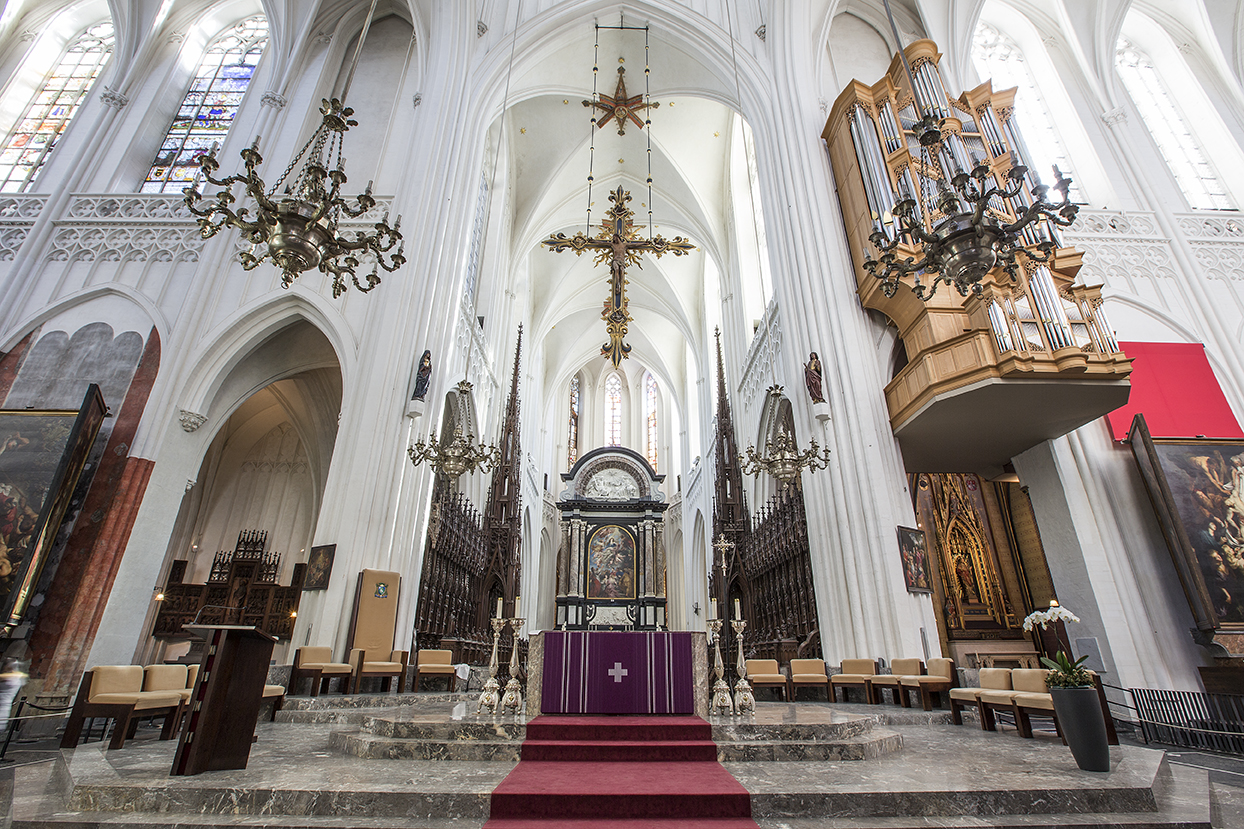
[939,680]
[991,679]
[899,669]
[116,692]
[854,672]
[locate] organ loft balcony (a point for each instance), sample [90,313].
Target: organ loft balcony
[990,375]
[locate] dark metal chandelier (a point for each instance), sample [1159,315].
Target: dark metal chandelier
[297,219]
[973,236]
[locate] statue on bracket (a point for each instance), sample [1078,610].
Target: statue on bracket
[813,378]
[424,376]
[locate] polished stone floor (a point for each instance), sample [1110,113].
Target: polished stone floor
[943,776]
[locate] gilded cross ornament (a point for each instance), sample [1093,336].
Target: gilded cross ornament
[620,107]
[618,242]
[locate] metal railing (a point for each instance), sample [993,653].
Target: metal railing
[1189,719]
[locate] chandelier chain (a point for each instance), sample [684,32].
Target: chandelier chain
[591,150]
[648,125]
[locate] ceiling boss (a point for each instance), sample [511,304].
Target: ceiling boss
[618,242]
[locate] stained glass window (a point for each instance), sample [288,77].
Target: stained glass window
[1000,59]
[32,140]
[613,410]
[207,111]
[572,439]
[650,417]
[1183,154]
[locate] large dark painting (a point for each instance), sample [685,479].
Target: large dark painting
[1198,491]
[914,555]
[320,567]
[42,453]
[1207,482]
[611,563]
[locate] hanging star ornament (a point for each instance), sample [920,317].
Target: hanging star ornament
[620,107]
[619,244]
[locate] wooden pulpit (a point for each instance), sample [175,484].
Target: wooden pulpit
[224,707]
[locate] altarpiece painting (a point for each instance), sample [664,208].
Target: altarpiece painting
[611,563]
[42,453]
[1197,489]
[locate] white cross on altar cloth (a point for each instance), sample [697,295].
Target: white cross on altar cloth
[617,672]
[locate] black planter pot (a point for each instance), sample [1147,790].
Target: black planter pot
[1084,728]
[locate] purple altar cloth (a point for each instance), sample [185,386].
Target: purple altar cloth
[617,672]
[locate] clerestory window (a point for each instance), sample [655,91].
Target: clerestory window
[30,143]
[211,104]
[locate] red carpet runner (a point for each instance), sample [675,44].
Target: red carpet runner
[620,772]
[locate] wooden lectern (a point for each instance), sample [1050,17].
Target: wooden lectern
[224,706]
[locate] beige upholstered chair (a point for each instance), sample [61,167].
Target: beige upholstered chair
[809,673]
[765,673]
[991,679]
[1029,682]
[939,680]
[899,668]
[854,672]
[276,693]
[431,663]
[168,678]
[373,629]
[387,665]
[317,665]
[116,692]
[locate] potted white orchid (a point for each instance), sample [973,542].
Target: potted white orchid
[1075,698]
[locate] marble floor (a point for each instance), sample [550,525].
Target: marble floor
[943,776]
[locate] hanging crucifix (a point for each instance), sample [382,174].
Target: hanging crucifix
[619,244]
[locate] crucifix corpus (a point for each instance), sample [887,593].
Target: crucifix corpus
[619,244]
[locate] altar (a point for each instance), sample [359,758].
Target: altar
[618,672]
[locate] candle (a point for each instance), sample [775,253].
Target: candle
[517,599]
[498,616]
[712,611]
[737,614]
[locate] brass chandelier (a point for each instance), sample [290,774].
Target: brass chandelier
[458,456]
[783,460]
[972,237]
[297,219]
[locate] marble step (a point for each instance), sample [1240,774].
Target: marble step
[871,746]
[372,747]
[337,701]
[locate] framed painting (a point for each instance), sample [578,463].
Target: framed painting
[319,567]
[42,453]
[1197,490]
[611,563]
[913,553]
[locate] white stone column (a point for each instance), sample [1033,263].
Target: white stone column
[853,506]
